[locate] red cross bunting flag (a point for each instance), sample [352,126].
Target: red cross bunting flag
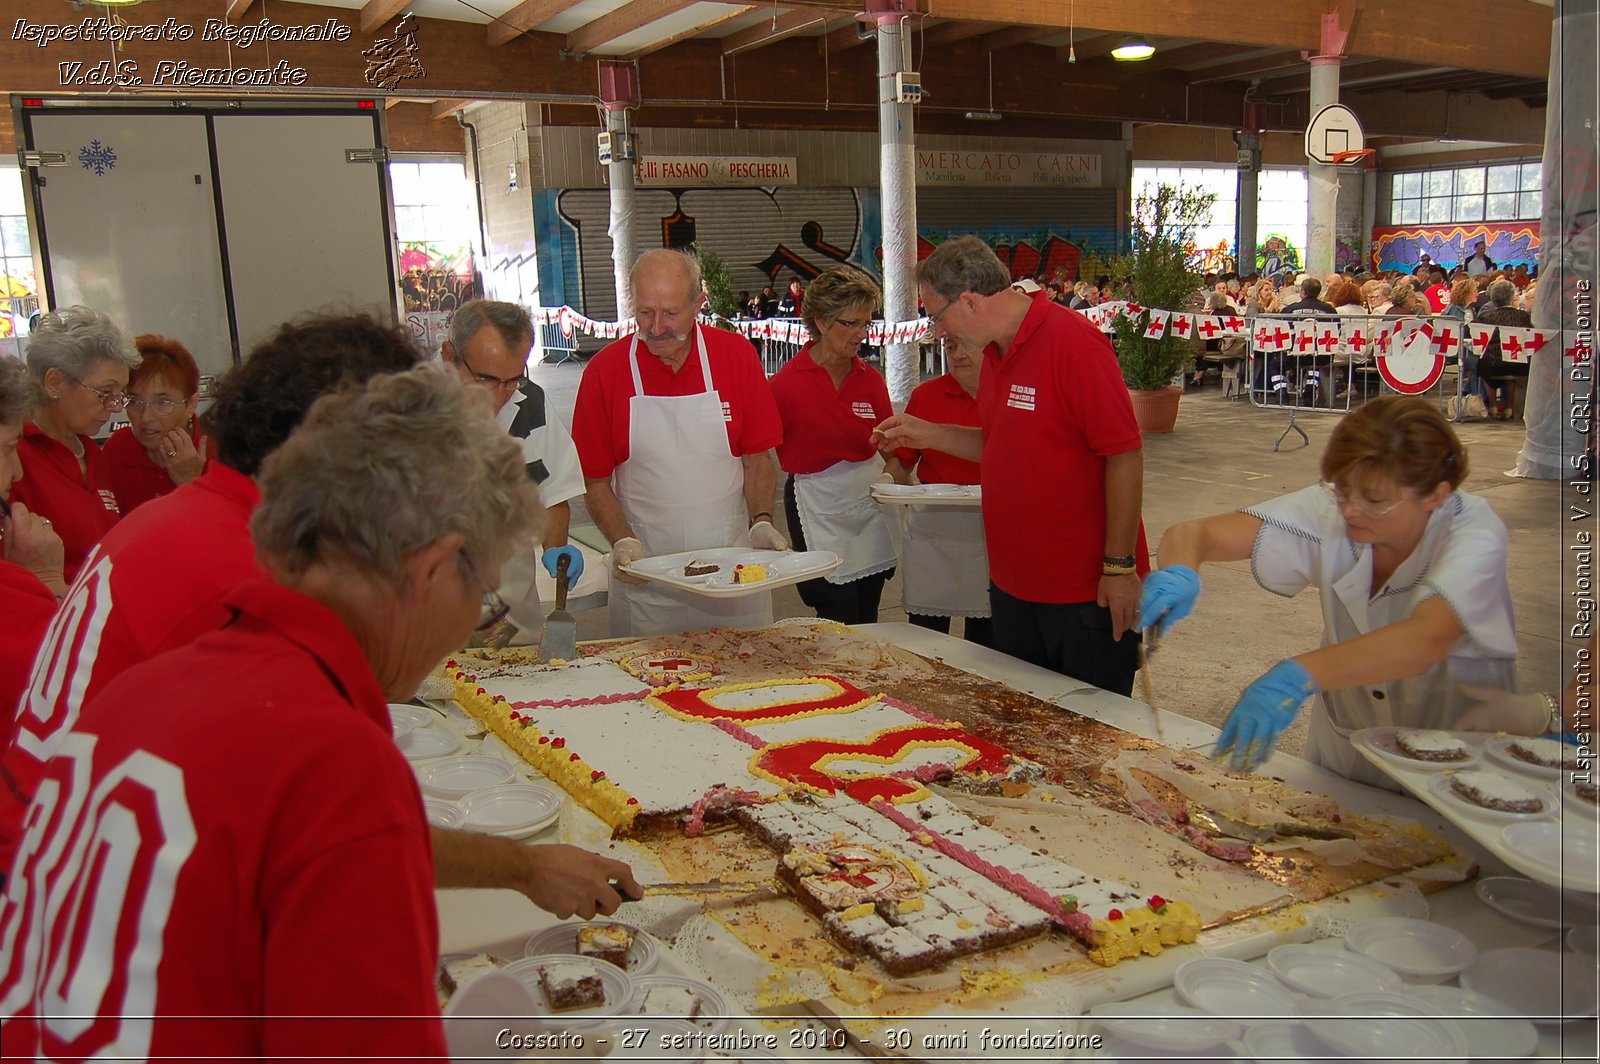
[1272,336]
[1445,338]
[1234,325]
[1413,363]
[1156,328]
[1209,327]
[1480,335]
[1327,337]
[1514,344]
[1305,337]
[1182,325]
[1356,336]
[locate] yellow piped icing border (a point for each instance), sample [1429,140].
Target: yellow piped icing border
[1143,930]
[560,764]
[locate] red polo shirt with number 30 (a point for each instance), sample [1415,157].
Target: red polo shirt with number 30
[78,501]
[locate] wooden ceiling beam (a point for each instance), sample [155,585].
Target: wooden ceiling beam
[764,33]
[842,40]
[524,17]
[951,32]
[635,15]
[1245,69]
[374,13]
[1186,56]
[693,31]
[1090,46]
[1017,35]
[446,108]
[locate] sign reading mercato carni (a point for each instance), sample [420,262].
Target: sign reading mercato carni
[709,171]
[1015,168]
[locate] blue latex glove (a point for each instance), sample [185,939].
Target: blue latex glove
[1168,596]
[552,557]
[1265,709]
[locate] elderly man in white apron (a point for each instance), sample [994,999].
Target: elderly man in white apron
[677,484]
[1411,579]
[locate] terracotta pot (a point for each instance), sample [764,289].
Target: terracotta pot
[1155,411]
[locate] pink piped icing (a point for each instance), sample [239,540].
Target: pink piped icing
[593,700]
[926,773]
[744,735]
[718,799]
[1029,892]
[911,711]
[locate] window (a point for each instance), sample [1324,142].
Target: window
[19,292]
[1283,219]
[1496,192]
[1218,233]
[436,227]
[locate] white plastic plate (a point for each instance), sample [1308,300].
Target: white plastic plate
[713,1007]
[515,810]
[1441,788]
[783,569]
[1491,1032]
[1388,1026]
[1282,1041]
[409,717]
[1498,748]
[929,494]
[1570,801]
[1233,989]
[457,777]
[422,743]
[1522,900]
[1542,985]
[1569,852]
[1381,741]
[1171,1029]
[442,813]
[563,938]
[618,989]
[1418,950]
[1329,971]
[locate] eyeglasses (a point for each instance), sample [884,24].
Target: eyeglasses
[111,400]
[494,607]
[853,326]
[1343,501]
[504,384]
[161,406]
[933,319]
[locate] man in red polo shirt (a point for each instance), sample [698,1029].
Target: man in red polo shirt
[674,427]
[1062,468]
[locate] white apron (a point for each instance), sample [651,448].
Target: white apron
[837,513]
[946,571]
[681,490]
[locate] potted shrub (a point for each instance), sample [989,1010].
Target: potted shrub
[721,302]
[1162,272]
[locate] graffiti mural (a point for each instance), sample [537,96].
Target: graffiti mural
[767,236]
[436,281]
[1402,247]
[1276,256]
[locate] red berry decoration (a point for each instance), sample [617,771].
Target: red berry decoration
[558,743]
[597,775]
[543,740]
[633,801]
[481,691]
[573,757]
[1114,914]
[1157,902]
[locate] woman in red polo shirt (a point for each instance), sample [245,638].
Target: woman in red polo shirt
[829,401]
[161,447]
[946,563]
[82,360]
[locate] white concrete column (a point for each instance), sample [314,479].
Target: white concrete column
[619,177]
[897,178]
[1324,179]
[1249,196]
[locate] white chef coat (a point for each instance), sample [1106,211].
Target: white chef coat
[1461,558]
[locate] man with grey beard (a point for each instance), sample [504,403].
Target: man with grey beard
[675,425]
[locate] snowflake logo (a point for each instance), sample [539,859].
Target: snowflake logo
[97,157]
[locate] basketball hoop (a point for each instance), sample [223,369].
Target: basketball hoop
[1353,158]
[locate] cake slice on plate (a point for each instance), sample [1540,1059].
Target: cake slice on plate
[571,985]
[606,942]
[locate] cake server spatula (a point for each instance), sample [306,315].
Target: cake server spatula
[560,629]
[710,886]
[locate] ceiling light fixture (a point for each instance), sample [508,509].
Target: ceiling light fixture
[1132,50]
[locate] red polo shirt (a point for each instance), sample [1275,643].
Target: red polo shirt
[600,419]
[135,478]
[1052,409]
[822,425]
[248,852]
[944,402]
[155,582]
[80,505]
[27,606]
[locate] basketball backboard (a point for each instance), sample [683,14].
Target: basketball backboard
[1333,129]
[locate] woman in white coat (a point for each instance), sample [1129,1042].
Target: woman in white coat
[1411,573]
[945,570]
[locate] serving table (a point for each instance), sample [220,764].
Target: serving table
[500,922]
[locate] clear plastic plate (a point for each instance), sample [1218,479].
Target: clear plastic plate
[423,743]
[1330,971]
[1419,950]
[615,982]
[563,938]
[515,810]
[1381,741]
[1542,985]
[1566,851]
[713,1007]
[1175,1029]
[442,813]
[457,777]
[1388,1026]
[1233,989]
[1491,1030]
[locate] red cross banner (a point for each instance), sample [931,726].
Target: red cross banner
[1182,325]
[1156,328]
[1480,335]
[1356,336]
[1305,337]
[1445,338]
[1514,343]
[1328,337]
[1272,336]
[1209,327]
[1234,325]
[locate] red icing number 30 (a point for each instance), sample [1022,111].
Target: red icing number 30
[805,762]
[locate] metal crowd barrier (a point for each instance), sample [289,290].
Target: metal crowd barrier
[554,345]
[1332,364]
